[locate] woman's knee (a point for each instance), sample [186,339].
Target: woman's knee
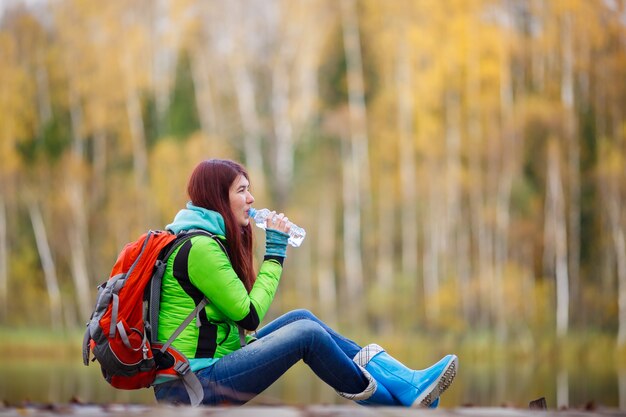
[302,314]
[309,331]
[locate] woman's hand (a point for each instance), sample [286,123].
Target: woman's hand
[278,222]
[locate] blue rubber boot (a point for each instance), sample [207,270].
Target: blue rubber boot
[374,394]
[409,387]
[381,397]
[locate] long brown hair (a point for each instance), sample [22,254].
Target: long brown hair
[209,187]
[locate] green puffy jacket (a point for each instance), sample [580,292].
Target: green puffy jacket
[209,270]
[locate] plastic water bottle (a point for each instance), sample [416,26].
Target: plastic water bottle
[296,233]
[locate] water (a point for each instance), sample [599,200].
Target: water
[483,384]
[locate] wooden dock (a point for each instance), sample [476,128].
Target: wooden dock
[290,411]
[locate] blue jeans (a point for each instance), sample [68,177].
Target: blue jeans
[239,376]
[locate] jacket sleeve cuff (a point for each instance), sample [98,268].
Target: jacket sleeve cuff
[278,259]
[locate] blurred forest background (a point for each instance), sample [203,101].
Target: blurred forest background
[459,165]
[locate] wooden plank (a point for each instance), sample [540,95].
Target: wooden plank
[120,410]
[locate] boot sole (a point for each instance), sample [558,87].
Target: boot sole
[439,386]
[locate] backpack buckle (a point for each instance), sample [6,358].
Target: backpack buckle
[182,368]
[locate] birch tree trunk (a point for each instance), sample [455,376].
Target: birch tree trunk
[355,160]
[133,72]
[476,192]
[406,157]
[385,252]
[203,93]
[489,307]
[164,55]
[556,216]
[573,148]
[504,183]
[356,95]
[47,263]
[78,226]
[244,90]
[283,130]
[432,245]
[353,263]
[562,388]
[501,248]
[456,248]
[54,295]
[139,145]
[79,250]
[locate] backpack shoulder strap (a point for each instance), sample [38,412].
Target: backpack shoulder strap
[154,297]
[242,333]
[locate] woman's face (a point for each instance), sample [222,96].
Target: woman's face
[240,200]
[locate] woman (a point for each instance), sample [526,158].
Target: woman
[239,298]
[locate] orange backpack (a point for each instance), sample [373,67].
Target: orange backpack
[122,330]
